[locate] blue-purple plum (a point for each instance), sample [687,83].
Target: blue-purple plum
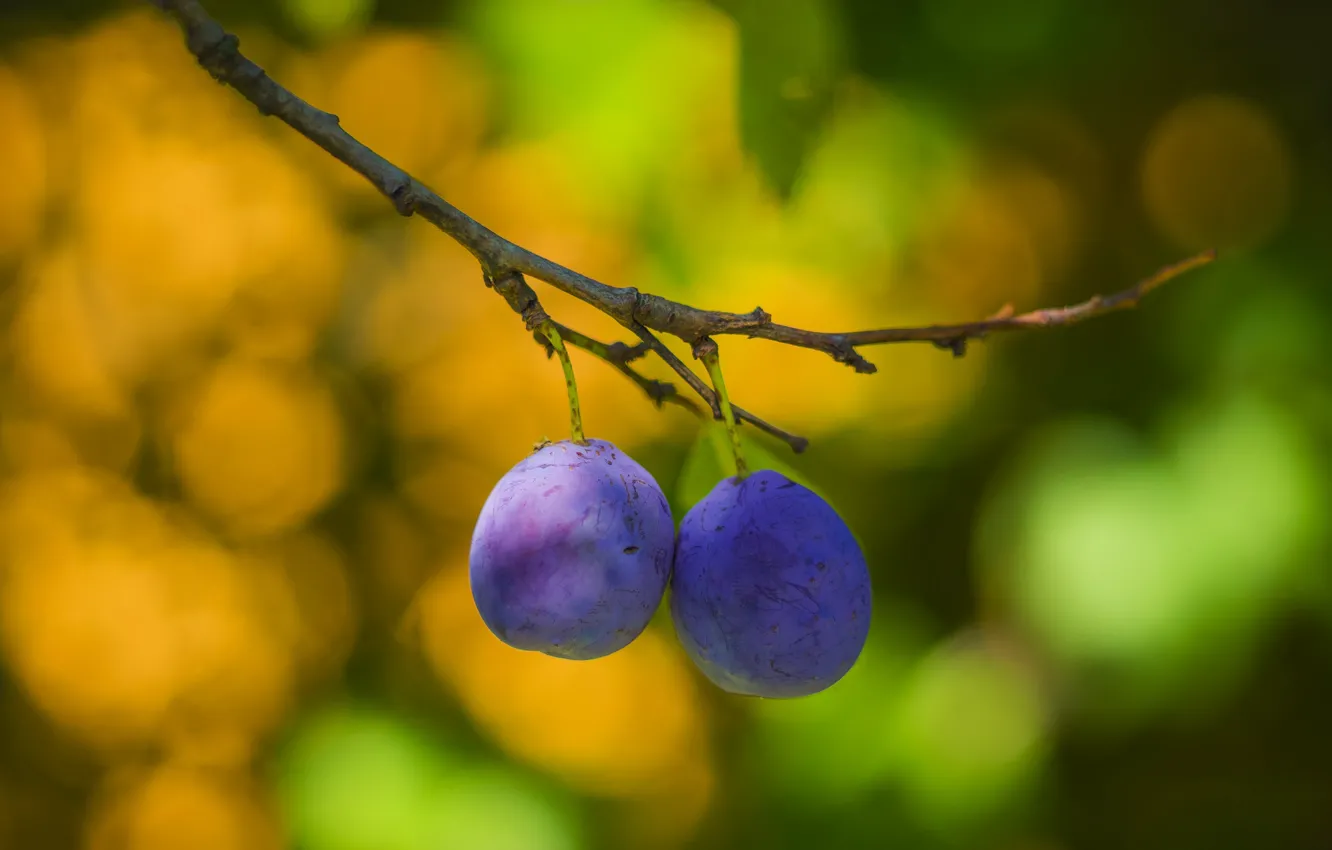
[770,594]
[572,552]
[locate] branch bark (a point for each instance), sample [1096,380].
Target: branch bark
[504,263]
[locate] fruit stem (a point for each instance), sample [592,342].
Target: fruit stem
[575,411]
[713,361]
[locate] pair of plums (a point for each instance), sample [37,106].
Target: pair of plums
[575,547]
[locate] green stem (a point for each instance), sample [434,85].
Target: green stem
[549,330]
[713,362]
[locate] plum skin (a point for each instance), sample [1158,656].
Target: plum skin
[572,551]
[770,593]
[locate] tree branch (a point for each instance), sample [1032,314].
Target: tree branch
[504,263]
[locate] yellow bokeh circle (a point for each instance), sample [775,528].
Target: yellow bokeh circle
[23,152]
[238,231]
[1217,173]
[626,725]
[418,100]
[59,342]
[183,211]
[304,590]
[125,626]
[998,236]
[174,806]
[259,450]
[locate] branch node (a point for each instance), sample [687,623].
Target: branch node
[521,298]
[659,391]
[534,315]
[844,352]
[639,303]
[957,345]
[704,347]
[745,323]
[404,199]
[621,353]
[216,53]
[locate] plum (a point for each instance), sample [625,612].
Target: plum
[770,593]
[572,552]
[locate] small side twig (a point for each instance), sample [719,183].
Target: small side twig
[620,355]
[797,443]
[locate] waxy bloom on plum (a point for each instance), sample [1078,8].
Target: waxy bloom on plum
[770,594]
[572,552]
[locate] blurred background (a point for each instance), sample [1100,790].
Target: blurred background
[248,416]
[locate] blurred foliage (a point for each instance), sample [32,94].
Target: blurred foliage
[248,416]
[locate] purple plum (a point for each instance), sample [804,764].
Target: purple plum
[770,594]
[572,552]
